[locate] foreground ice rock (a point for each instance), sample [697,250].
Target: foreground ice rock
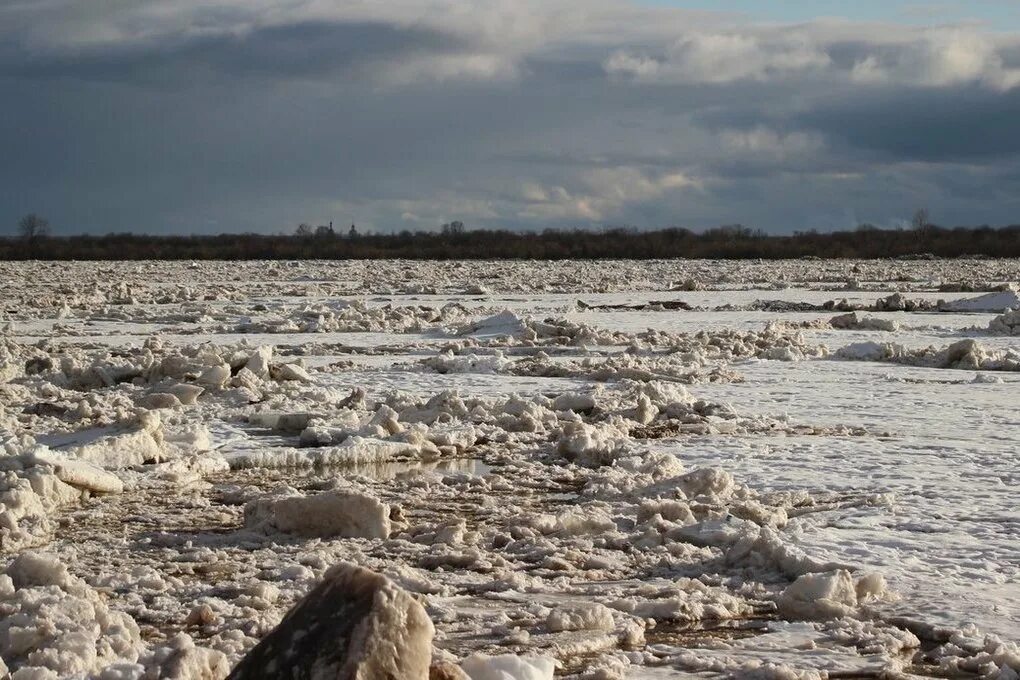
[354,625]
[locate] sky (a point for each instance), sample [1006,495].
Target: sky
[179,117]
[994,14]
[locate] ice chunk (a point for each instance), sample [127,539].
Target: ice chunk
[1006,324]
[504,324]
[827,595]
[353,451]
[853,321]
[258,362]
[290,372]
[187,394]
[586,616]
[122,449]
[1002,301]
[335,513]
[181,658]
[161,400]
[509,667]
[215,376]
[285,422]
[592,445]
[28,494]
[355,624]
[574,401]
[460,437]
[85,476]
[55,625]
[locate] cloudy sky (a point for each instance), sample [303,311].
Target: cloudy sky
[172,116]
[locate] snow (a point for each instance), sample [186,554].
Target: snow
[607,470]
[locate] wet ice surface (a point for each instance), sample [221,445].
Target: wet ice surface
[948,542]
[558,460]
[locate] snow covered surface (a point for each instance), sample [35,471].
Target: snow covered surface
[605,470]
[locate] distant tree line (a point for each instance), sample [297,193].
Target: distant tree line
[453,241]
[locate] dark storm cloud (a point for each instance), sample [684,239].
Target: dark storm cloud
[957,124]
[302,50]
[259,115]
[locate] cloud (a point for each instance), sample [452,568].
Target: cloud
[256,115]
[601,194]
[763,141]
[915,57]
[720,58]
[938,59]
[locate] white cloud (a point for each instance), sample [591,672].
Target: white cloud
[940,58]
[447,67]
[601,193]
[764,141]
[721,58]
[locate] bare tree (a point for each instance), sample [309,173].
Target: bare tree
[304,229]
[455,228]
[920,221]
[31,227]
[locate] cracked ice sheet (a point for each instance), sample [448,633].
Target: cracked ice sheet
[949,542]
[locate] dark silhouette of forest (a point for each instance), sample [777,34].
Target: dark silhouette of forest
[728,242]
